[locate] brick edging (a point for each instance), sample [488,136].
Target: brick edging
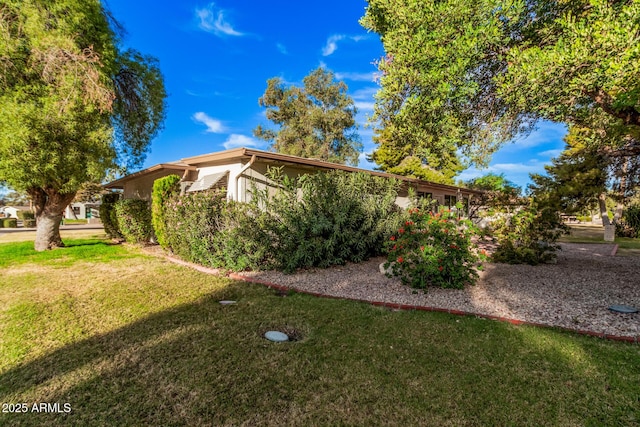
[396,306]
[614,251]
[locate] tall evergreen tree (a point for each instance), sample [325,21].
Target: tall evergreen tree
[315,121]
[73,104]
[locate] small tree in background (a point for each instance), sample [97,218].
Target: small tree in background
[315,121]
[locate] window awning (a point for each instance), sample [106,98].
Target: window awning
[216,180]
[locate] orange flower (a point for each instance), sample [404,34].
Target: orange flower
[422,248]
[440,267]
[393,238]
[400,259]
[394,247]
[401,230]
[408,223]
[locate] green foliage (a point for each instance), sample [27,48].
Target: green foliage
[498,195]
[328,218]
[434,250]
[314,220]
[163,188]
[108,215]
[528,236]
[315,121]
[192,222]
[414,167]
[29,223]
[468,76]
[74,104]
[575,180]
[9,222]
[134,220]
[26,215]
[629,226]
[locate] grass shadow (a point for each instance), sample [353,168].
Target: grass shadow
[203,363]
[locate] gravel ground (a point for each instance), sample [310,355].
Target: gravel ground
[575,293]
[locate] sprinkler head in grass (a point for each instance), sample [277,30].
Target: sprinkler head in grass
[276,336]
[226,302]
[623,309]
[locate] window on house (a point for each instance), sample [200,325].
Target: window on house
[76,210]
[449,201]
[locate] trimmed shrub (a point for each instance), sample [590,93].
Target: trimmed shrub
[163,188]
[134,220]
[193,220]
[108,215]
[434,250]
[26,215]
[29,223]
[529,236]
[10,223]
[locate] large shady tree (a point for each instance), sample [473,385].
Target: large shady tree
[460,78]
[73,104]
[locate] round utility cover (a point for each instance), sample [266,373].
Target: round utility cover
[226,302]
[276,336]
[623,309]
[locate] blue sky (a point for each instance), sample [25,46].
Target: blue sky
[217,57]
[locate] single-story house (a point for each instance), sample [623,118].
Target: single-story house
[240,168]
[79,210]
[12,211]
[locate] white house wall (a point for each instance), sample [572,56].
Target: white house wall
[233,168]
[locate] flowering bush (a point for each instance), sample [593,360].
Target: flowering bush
[434,250]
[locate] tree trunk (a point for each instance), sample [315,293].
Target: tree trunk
[602,202]
[49,206]
[622,192]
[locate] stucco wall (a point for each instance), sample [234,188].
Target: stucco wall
[141,187]
[233,168]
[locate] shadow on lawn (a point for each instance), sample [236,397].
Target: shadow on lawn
[203,363]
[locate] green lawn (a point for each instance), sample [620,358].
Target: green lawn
[131,339]
[595,234]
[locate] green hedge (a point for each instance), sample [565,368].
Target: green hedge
[315,220]
[163,188]
[9,222]
[193,221]
[26,215]
[108,215]
[134,220]
[29,223]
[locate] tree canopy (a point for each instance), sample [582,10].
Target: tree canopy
[315,121]
[74,104]
[462,78]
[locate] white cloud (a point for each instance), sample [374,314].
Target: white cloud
[360,77]
[213,125]
[332,44]
[236,140]
[282,49]
[544,133]
[514,167]
[365,93]
[550,153]
[213,20]
[364,105]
